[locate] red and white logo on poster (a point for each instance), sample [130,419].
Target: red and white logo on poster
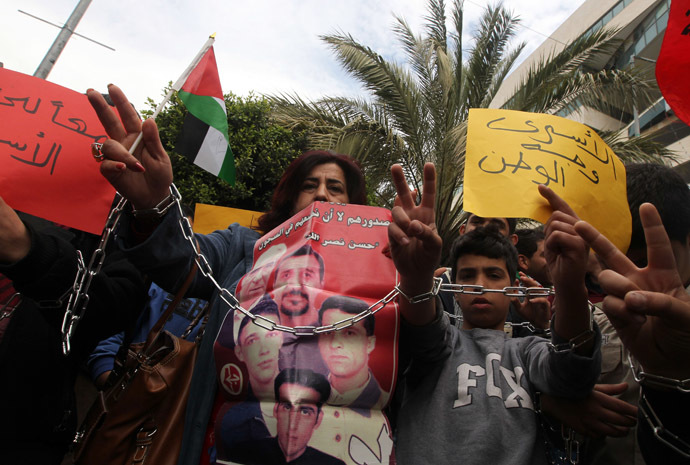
[231,378]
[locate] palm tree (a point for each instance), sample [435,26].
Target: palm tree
[418,113]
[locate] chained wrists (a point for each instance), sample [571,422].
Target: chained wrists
[156,212]
[574,343]
[419,298]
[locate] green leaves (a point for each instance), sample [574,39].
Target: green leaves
[262,150]
[418,110]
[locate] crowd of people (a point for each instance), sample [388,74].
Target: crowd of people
[481,377]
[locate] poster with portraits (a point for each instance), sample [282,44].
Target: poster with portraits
[299,397]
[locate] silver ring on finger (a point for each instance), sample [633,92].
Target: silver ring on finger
[97,151]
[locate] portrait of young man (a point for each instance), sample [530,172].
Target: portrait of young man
[300,395]
[346,354]
[259,350]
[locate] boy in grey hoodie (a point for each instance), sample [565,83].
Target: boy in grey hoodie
[470,393]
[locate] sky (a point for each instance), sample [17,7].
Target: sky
[262,46]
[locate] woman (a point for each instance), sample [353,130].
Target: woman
[153,241]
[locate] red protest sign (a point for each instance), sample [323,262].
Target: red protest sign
[673,64]
[323,268]
[46,166]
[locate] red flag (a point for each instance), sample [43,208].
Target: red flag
[46,166]
[673,64]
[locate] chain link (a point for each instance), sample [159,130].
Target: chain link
[510,291]
[572,445]
[234,304]
[648,379]
[660,432]
[10,306]
[658,429]
[79,296]
[530,327]
[567,452]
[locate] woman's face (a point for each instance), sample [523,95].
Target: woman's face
[325,182]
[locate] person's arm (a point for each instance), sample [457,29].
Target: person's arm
[45,273]
[648,307]
[567,254]
[650,310]
[15,240]
[415,245]
[570,364]
[598,414]
[41,265]
[143,177]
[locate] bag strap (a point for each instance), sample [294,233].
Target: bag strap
[203,313]
[179,295]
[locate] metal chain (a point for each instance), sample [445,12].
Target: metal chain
[572,446]
[260,320]
[648,379]
[510,291]
[660,432]
[569,452]
[234,304]
[10,306]
[530,327]
[79,296]
[528,293]
[525,324]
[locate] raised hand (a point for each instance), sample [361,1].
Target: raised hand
[536,310]
[649,307]
[144,177]
[564,250]
[566,254]
[414,243]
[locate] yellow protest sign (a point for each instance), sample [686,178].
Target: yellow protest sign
[208,218]
[510,152]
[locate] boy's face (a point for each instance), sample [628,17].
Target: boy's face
[488,310]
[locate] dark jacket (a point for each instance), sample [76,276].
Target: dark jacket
[37,410]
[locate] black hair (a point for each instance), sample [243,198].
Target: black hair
[665,189]
[512,222]
[305,250]
[348,305]
[485,242]
[290,184]
[528,241]
[265,306]
[304,377]
[187,211]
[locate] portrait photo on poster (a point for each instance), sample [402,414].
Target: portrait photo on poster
[316,396]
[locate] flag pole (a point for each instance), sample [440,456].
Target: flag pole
[177,85]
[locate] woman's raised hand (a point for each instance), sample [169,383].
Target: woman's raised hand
[143,177]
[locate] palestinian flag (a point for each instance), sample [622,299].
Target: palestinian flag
[204,138]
